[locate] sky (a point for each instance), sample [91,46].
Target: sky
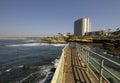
[38,18]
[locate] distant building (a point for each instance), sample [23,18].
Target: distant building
[97,33]
[81,26]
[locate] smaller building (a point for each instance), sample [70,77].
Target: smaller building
[97,33]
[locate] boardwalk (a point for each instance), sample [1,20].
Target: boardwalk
[75,70]
[78,64]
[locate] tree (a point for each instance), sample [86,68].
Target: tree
[109,30]
[118,29]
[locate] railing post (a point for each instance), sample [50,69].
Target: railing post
[101,70]
[82,52]
[87,59]
[86,53]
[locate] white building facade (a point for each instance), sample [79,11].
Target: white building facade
[81,26]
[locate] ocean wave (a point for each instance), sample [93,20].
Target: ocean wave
[30,41]
[8,70]
[28,44]
[42,72]
[35,44]
[57,44]
[49,72]
[45,71]
[55,63]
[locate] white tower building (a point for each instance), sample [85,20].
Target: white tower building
[81,26]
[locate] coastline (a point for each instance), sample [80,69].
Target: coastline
[53,42]
[109,46]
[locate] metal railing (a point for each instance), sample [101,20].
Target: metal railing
[100,65]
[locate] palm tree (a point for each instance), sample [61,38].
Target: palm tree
[118,29]
[109,30]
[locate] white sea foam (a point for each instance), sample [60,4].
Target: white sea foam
[58,44]
[35,44]
[30,41]
[20,66]
[41,81]
[55,62]
[8,70]
[43,71]
[104,52]
[28,44]
[47,71]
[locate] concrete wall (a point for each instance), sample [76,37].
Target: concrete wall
[58,75]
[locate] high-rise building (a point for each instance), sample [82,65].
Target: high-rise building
[81,26]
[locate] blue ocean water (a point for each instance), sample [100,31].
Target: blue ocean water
[19,59]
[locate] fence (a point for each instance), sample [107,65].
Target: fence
[102,67]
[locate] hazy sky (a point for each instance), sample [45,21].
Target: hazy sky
[49,17]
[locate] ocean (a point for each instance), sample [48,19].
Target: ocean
[27,61]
